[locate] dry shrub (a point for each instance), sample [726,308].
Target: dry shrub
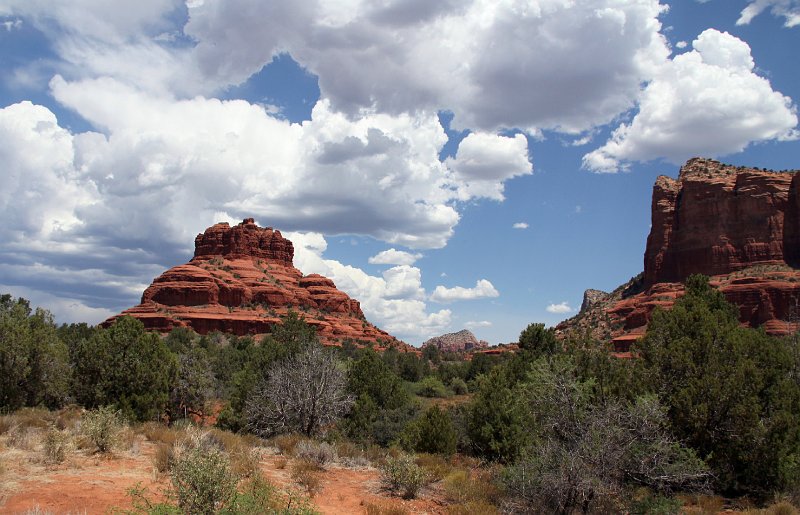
[318,453]
[782,508]
[160,433]
[245,460]
[351,455]
[127,440]
[286,443]
[103,428]
[464,486]
[39,418]
[6,424]
[701,504]
[435,465]
[163,457]
[472,508]
[23,438]
[375,454]
[374,509]
[68,417]
[56,444]
[307,474]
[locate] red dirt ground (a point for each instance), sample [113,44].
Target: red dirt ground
[92,484]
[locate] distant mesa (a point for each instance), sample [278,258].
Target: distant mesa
[738,225]
[241,280]
[460,342]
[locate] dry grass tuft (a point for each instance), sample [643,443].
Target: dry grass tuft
[318,453]
[467,487]
[163,457]
[56,444]
[159,433]
[374,509]
[6,424]
[472,508]
[436,466]
[68,417]
[286,443]
[24,438]
[701,504]
[245,460]
[351,455]
[39,418]
[307,474]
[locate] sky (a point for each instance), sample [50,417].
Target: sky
[451,164]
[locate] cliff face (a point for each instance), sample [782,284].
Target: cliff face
[740,226]
[241,280]
[717,219]
[462,341]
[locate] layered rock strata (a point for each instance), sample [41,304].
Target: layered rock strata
[738,225]
[241,280]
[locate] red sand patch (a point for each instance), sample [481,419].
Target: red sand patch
[95,485]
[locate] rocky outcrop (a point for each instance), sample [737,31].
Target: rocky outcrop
[740,226]
[241,280]
[592,298]
[716,219]
[462,341]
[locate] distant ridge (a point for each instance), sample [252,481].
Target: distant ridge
[462,341]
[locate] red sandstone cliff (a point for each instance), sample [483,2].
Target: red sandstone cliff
[740,226]
[241,280]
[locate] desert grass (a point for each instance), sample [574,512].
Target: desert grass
[435,465]
[473,508]
[56,444]
[701,504]
[778,508]
[286,443]
[160,433]
[375,509]
[351,455]
[318,453]
[472,491]
[307,474]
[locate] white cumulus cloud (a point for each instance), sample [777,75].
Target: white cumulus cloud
[520,225]
[394,301]
[394,257]
[789,10]
[704,102]
[474,324]
[560,308]
[483,289]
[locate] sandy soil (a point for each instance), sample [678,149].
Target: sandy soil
[93,484]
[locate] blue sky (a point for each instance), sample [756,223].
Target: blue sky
[452,164]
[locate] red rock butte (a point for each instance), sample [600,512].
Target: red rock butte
[738,225]
[241,280]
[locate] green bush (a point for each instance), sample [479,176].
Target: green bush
[34,362]
[433,432]
[459,386]
[202,480]
[103,427]
[403,474]
[124,366]
[432,387]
